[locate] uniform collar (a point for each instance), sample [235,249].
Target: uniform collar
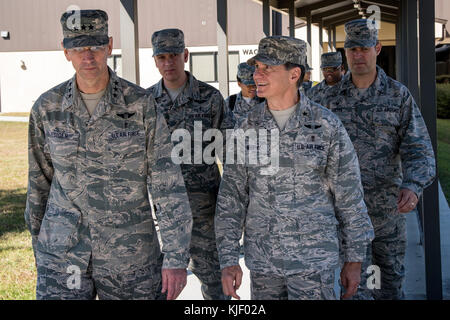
[303,113]
[191,90]
[377,87]
[114,96]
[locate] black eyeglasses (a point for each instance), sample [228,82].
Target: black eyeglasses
[331,69]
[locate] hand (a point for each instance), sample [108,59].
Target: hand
[231,280]
[173,282]
[350,278]
[407,201]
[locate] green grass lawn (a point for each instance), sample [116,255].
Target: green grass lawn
[17,271]
[443,135]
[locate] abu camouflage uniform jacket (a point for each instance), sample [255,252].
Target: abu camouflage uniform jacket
[389,136]
[291,217]
[320,93]
[241,107]
[89,180]
[198,102]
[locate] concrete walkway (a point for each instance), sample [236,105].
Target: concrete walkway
[13,119]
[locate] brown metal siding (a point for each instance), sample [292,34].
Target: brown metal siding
[34,24]
[186,15]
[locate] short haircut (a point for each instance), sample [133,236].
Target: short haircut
[290,65]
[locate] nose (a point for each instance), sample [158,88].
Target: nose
[257,74]
[358,54]
[88,55]
[168,62]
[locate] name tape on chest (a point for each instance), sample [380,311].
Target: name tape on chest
[115,135]
[308,146]
[60,134]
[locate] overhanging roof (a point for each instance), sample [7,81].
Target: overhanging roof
[336,12]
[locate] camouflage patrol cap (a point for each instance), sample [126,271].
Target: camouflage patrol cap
[361,33]
[84,28]
[331,59]
[277,50]
[168,41]
[245,73]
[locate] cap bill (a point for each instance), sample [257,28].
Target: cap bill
[85,41]
[272,61]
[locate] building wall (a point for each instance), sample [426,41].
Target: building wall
[34,24]
[24,76]
[31,60]
[442,9]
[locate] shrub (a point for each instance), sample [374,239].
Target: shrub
[445,78]
[443,100]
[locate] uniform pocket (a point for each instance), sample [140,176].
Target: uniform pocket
[386,125]
[59,229]
[63,142]
[125,164]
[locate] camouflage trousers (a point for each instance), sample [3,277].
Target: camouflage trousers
[308,286]
[57,280]
[204,262]
[387,252]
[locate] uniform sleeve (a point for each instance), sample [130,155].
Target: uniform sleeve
[355,227]
[40,174]
[416,151]
[231,210]
[222,120]
[168,192]
[311,93]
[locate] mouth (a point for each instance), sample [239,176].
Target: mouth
[261,85]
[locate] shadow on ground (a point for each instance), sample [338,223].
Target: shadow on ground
[12,207]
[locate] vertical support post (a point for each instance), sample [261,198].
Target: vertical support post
[222,44]
[321,34]
[330,40]
[266,17]
[334,38]
[398,48]
[412,59]
[308,36]
[292,19]
[321,44]
[129,40]
[276,23]
[431,227]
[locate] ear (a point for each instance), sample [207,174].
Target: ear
[378,48]
[65,52]
[295,74]
[110,46]
[186,55]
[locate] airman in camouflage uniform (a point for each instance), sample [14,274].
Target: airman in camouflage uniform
[291,216]
[88,208]
[307,84]
[184,100]
[394,151]
[246,98]
[331,65]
